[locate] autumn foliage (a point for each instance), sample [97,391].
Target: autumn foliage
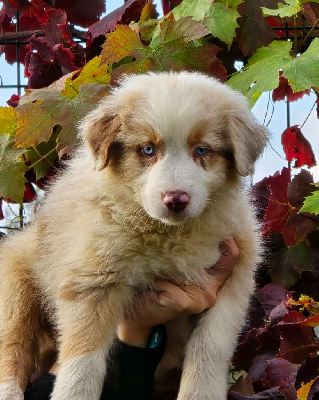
[74,55]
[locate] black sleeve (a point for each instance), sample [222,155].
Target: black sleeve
[130,371]
[130,374]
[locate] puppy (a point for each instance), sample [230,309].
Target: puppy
[155,188]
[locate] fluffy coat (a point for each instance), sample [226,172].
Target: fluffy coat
[104,232]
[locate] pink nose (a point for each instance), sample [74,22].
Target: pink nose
[176,200]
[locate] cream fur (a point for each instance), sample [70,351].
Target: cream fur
[104,232]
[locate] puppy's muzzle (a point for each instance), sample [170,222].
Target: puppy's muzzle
[176,200]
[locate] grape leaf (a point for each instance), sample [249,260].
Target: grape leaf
[272,394]
[279,209]
[80,12]
[45,64]
[43,156]
[289,262]
[148,12]
[282,373]
[254,30]
[285,201]
[298,341]
[311,204]
[304,390]
[92,72]
[308,371]
[43,110]
[297,147]
[271,296]
[219,17]
[12,169]
[285,90]
[56,28]
[262,71]
[172,47]
[286,9]
[128,12]
[8,120]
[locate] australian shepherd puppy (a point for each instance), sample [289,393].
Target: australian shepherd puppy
[156,186]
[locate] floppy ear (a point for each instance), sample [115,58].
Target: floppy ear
[248,139]
[99,130]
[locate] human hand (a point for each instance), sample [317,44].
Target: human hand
[170,300]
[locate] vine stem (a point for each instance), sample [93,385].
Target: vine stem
[308,34]
[308,115]
[41,159]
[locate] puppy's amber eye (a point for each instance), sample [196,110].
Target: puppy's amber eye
[201,151]
[148,150]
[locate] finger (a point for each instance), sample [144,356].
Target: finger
[224,266]
[189,299]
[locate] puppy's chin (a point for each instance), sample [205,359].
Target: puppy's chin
[171,218]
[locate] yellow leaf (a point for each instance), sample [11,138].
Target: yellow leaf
[148,12]
[304,390]
[93,72]
[8,120]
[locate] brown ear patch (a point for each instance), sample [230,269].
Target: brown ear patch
[100,134]
[248,139]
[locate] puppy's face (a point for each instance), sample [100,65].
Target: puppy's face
[174,171]
[176,140]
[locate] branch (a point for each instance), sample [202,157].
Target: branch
[8,36]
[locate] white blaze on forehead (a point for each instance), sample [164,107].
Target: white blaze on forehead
[173,104]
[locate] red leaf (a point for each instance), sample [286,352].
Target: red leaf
[22,5]
[282,373]
[41,72]
[64,57]
[28,22]
[298,341]
[166,6]
[271,296]
[53,34]
[14,100]
[279,209]
[286,198]
[80,13]
[29,194]
[285,90]
[130,11]
[297,147]
[272,394]
[39,45]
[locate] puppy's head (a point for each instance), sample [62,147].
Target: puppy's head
[175,139]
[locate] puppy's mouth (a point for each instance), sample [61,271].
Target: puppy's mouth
[174,218]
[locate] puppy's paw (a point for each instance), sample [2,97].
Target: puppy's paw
[10,391]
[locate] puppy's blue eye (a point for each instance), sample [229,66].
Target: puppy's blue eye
[148,150]
[201,151]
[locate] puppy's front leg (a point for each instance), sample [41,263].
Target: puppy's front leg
[213,341]
[87,324]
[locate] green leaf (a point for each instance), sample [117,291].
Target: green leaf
[262,71]
[219,17]
[43,110]
[43,156]
[287,9]
[12,169]
[311,204]
[302,72]
[173,46]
